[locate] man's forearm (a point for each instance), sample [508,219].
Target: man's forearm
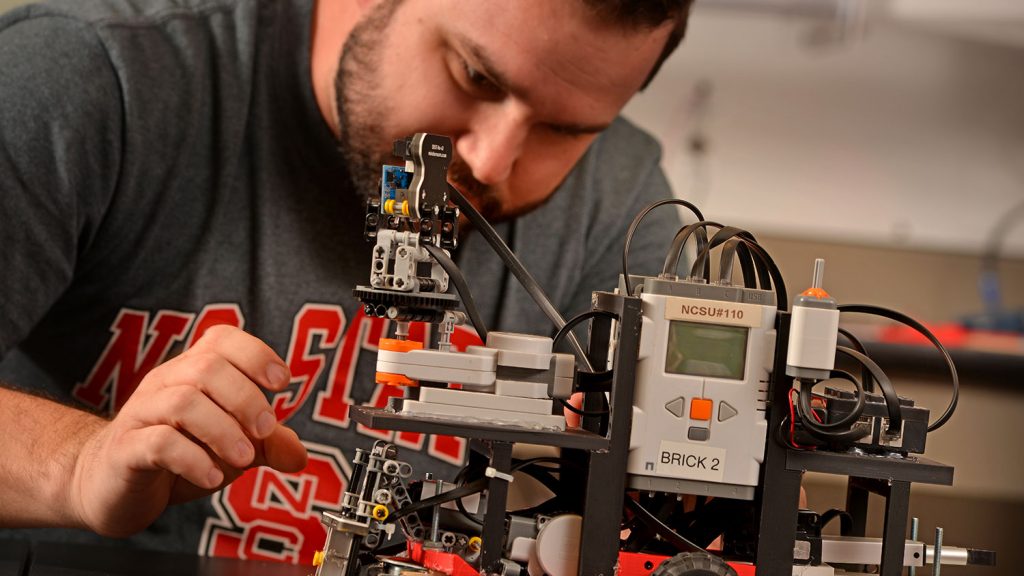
[39,444]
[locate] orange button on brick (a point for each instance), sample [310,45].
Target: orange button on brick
[700,409]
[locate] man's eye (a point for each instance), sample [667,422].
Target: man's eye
[479,81]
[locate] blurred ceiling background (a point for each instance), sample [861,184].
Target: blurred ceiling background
[874,122]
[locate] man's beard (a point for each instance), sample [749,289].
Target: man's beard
[360,106]
[362,110]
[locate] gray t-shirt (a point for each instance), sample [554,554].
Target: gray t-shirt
[164,167]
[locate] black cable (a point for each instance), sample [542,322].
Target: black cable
[459,504]
[461,287]
[660,528]
[528,282]
[542,460]
[790,443]
[453,494]
[892,399]
[766,268]
[562,332]
[854,341]
[675,251]
[735,248]
[525,466]
[865,374]
[827,430]
[594,381]
[845,520]
[566,330]
[636,223]
[917,326]
[724,234]
[767,272]
[579,412]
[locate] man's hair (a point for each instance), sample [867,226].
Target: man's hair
[646,14]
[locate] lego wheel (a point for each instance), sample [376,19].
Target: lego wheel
[694,564]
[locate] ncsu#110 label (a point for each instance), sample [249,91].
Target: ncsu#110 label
[713,312]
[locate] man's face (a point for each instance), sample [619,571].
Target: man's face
[522,87]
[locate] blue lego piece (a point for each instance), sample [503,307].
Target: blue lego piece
[392,179]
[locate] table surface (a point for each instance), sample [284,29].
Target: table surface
[64,559]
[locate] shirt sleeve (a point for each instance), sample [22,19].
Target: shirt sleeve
[60,141]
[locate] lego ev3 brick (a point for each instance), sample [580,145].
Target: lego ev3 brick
[482,400]
[462,413]
[521,389]
[513,342]
[476,360]
[436,374]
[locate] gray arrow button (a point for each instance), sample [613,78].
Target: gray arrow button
[725,411]
[677,407]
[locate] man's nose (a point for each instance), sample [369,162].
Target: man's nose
[494,141]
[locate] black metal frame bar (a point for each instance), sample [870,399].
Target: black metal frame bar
[606,475]
[493,533]
[888,477]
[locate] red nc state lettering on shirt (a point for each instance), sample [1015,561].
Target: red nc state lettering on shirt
[271,515]
[139,345]
[142,340]
[265,514]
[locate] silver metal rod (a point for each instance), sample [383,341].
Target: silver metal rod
[914,526]
[435,521]
[858,550]
[937,567]
[819,273]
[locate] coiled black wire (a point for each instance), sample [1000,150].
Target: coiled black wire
[920,329]
[636,223]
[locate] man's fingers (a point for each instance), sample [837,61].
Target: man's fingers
[164,448]
[234,392]
[572,420]
[191,411]
[247,353]
[283,450]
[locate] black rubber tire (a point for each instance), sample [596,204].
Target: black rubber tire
[694,564]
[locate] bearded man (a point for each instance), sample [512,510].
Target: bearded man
[181,212]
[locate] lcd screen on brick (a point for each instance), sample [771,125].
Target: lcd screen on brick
[711,350]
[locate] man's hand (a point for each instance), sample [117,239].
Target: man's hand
[194,424]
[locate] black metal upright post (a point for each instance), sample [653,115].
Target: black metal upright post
[573,476]
[778,510]
[894,535]
[606,475]
[493,533]
[857,507]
